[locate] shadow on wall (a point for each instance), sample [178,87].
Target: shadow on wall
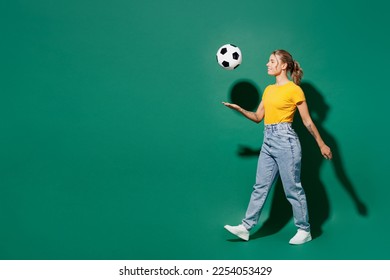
[247,96]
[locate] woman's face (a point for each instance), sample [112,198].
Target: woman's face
[274,66]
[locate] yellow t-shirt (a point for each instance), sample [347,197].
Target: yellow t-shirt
[280,102]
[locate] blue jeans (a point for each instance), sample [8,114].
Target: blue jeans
[280,155]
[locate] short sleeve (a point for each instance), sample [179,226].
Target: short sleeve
[298,95]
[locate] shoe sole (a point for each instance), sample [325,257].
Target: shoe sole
[243,237]
[303,242]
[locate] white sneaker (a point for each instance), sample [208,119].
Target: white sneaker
[239,231]
[300,237]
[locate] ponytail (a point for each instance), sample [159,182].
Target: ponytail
[296,72]
[293,66]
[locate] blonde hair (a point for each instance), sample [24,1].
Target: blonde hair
[293,66]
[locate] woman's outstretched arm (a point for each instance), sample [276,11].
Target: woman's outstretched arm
[257,116]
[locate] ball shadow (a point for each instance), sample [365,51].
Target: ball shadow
[245,94]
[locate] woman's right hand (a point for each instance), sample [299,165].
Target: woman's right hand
[253,116]
[232,106]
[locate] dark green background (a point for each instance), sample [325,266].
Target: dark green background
[114,143]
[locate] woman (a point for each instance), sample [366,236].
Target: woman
[281,151]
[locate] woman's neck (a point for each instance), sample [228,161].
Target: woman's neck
[281,80]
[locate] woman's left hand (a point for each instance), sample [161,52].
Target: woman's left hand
[326,152]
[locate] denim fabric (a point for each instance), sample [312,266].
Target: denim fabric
[280,155]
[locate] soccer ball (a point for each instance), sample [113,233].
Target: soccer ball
[229,56]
